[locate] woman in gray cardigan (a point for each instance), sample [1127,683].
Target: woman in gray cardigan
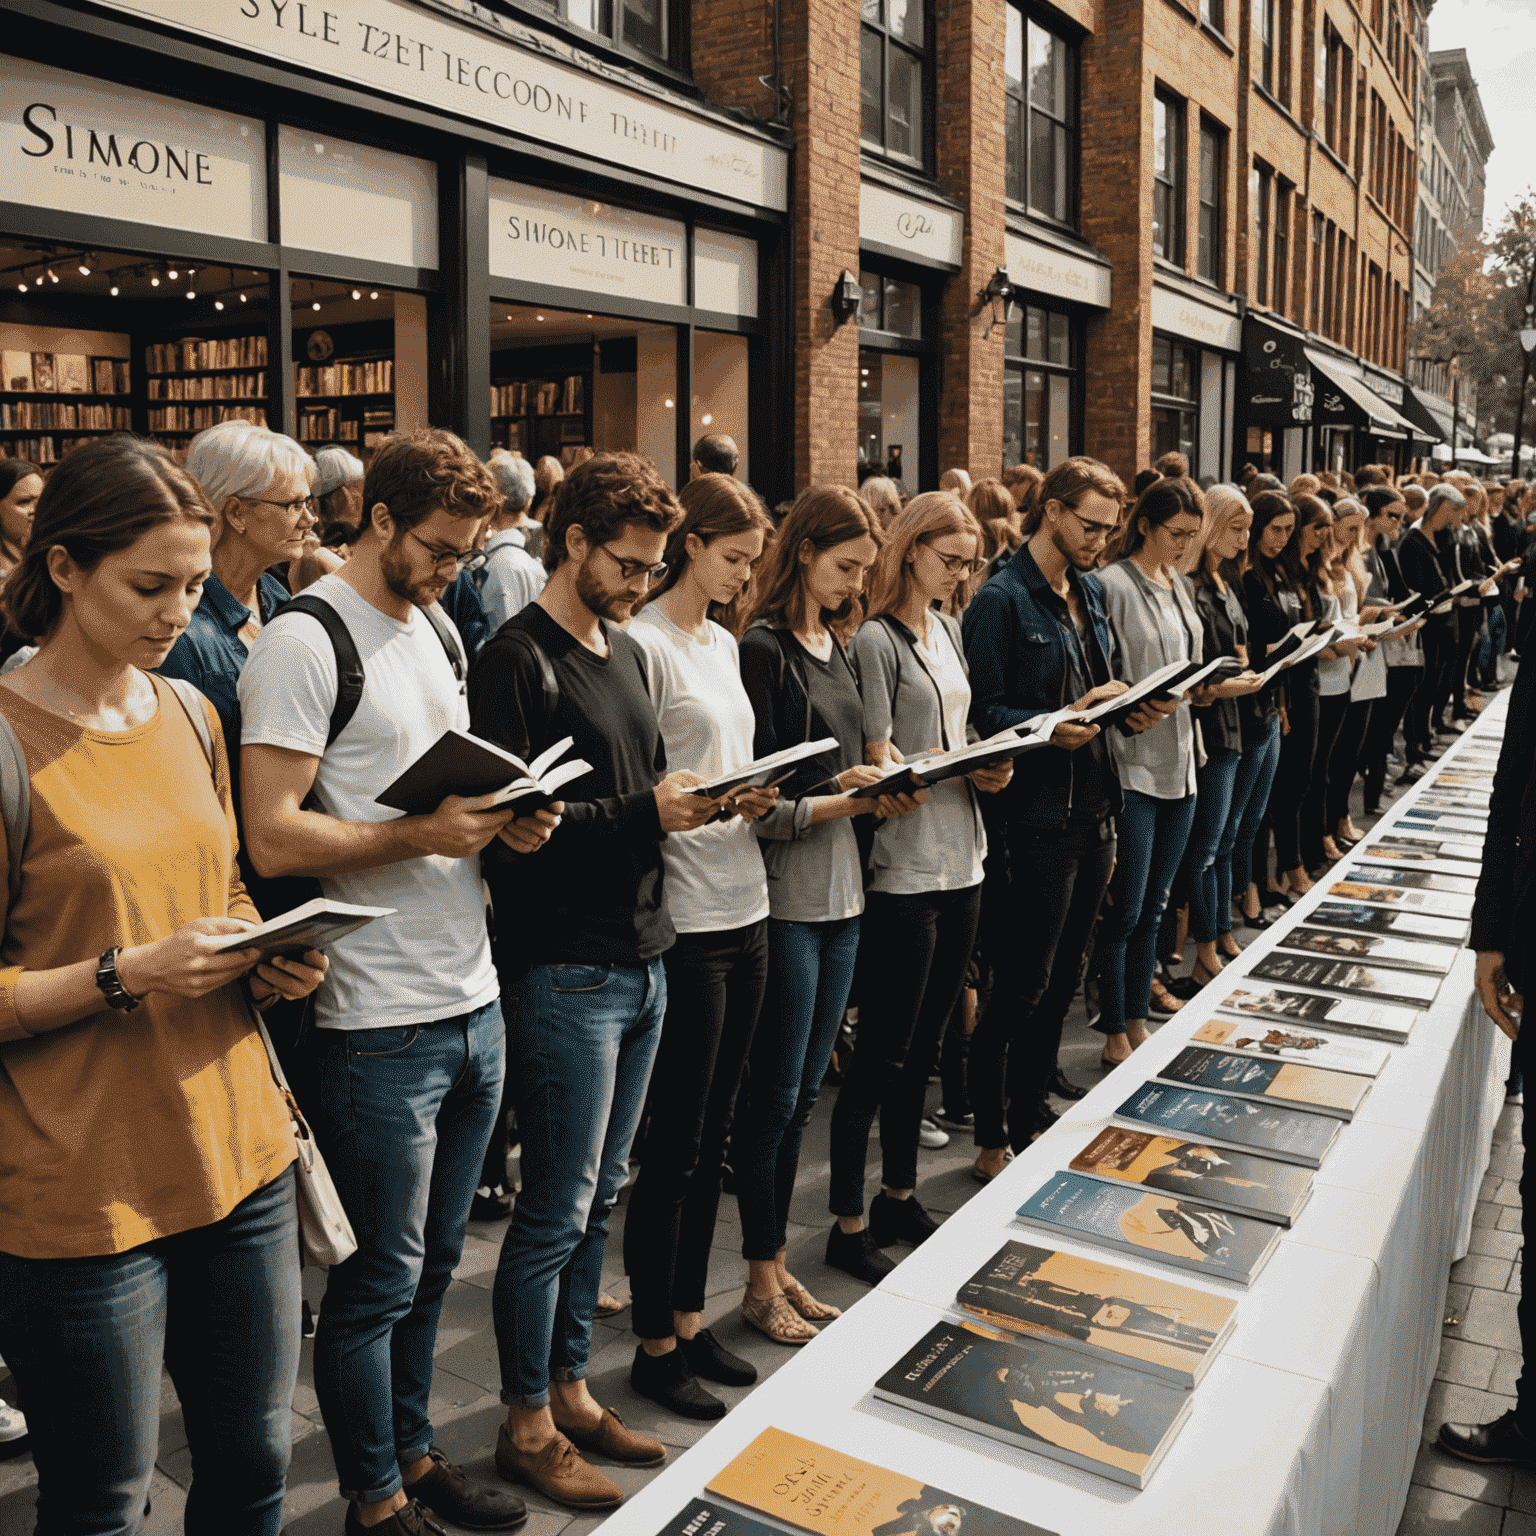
[1152,621]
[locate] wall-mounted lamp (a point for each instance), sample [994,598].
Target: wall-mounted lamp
[846,298]
[998,297]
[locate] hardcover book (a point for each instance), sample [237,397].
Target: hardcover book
[1289,1135]
[1378,949]
[16,368]
[1347,979]
[1102,1312]
[72,373]
[1425,857]
[1315,1089]
[1037,1396]
[458,763]
[762,772]
[1276,1043]
[703,1518]
[1441,795]
[1415,879]
[1460,845]
[1382,1021]
[42,373]
[812,1487]
[1382,893]
[1186,1233]
[1231,1181]
[1443,821]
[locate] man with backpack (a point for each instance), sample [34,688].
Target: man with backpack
[345,687]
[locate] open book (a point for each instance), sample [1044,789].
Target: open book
[764,772]
[1442,600]
[937,767]
[1282,655]
[314,925]
[458,763]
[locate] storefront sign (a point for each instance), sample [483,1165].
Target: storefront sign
[1043,269]
[724,273]
[898,225]
[79,146]
[1383,384]
[1279,377]
[353,200]
[521,86]
[594,248]
[1180,314]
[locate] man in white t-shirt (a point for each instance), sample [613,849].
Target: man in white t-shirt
[511,578]
[412,1044]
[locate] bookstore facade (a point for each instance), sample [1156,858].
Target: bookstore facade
[238,210]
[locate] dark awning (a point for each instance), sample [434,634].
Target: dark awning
[1431,417]
[1344,400]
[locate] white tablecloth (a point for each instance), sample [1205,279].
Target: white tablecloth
[1308,1422]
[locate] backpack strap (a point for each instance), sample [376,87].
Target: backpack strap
[450,640]
[192,702]
[519,637]
[349,665]
[15,805]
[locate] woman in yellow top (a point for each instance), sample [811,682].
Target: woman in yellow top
[146,1196]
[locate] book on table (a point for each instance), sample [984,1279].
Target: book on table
[1414,879]
[1317,1090]
[1467,845]
[814,1488]
[1231,1181]
[1415,847]
[1223,1120]
[1375,949]
[764,772]
[1187,1233]
[315,924]
[1037,1396]
[1346,978]
[1381,1021]
[1423,856]
[1383,893]
[1274,1042]
[1101,1311]
[1443,821]
[1356,917]
[458,763]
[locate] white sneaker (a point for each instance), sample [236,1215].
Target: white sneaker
[13,1424]
[930,1136]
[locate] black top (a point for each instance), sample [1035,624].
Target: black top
[1425,572]
[1269,618]
[594,895]
[777,671]
[1225,627]
[1093,773]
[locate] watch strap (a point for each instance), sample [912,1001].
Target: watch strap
[110,985]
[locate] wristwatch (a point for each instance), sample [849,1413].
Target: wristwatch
[111,987]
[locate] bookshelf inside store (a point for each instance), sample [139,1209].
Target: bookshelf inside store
[541,400]
[193,382]
[49,401]
[344,385]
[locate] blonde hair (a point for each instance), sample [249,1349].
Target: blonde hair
[1224,504]
[883,498]
[926,517]
[956,480]
[241,459]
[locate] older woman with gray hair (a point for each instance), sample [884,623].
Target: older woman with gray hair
[511,578]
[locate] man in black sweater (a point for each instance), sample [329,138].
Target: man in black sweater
[579,955]
[1420,561]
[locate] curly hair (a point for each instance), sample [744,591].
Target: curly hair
[414,474]
[603,496]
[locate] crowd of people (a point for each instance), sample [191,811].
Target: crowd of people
[215,662]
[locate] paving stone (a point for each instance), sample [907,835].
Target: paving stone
[1508,1192]
[1449,1403]
[1478,1270]
[1485,1485]
[1510,1218]
[1430,1512]
[1486,1213]
[1465,1364]
[1517,1524]
[1506,1372]
[1491,1319]
[1522,1492]
[1495,1244]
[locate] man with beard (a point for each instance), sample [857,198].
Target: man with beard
[1036,638]
[582,971]
[409,1067]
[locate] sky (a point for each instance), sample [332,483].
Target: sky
[1500,39]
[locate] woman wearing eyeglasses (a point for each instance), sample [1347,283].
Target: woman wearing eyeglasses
[924,892]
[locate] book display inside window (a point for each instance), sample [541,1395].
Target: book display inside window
[541,400]
[227,372]
[344,384]
[49,401]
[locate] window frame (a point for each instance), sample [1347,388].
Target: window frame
[1175,114]
[1263,214]
[675,17]
[1016,360]
[1019,139]
[1284,203]
[1210,237]
[1168,401]
[922,127]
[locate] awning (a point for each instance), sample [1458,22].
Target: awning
[1476,456]
[1344,400]
[1431,417]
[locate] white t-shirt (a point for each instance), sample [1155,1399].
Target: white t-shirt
[432,958]
[511,579]
[715,878]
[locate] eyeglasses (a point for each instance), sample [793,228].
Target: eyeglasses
[461,559]
[292,508]
[1097,532]
[629,569]
[956,565]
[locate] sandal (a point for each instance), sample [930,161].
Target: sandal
[1109,1063]
[1163,999]
[773,1315]
[981,1175]
[1236,952]
[608,1306]
[1205,979]
[807,1306]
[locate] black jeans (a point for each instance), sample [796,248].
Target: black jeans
[1439,647]
[1297,749]
[1386,714]
[1453,681]
[913,953]
[1344,760]
[715,985]
[1057,884]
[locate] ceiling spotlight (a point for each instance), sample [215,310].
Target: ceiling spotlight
[706,419]
[191,293]
[539,318]
[242,298]
[667,403]
[173,274]
[53,276]
[114,290]
[315,305]
[85,270]
[154,282]
[357,293]
[218,303]
[22,285]
[374,294]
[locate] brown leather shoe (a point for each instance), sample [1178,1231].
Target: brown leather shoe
[613,1440]
[557,1472]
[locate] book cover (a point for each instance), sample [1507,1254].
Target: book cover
[1300,1085]
[1444,821]
[1382,1021]
[1233,1181]
[1415,879]
[1376,948]
[71,373]
[42,372]
[1382,893]
[1276,1042]
[815,1488]
[1347,979]
[1033,1394]
[1461,845]
[1101,1311]
[1185,1233]
[763,771]
[1355,917]
[706,1518]
[17,371]
[458,763]
[313,925]
[1274,1130]
[1424,857]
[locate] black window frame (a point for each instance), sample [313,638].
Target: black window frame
[1020,362]
[1172,187]
[1210,235]
[1020,112]
[1284,204]
[922,127]
[675,15]
[1263,214]
[1167,401]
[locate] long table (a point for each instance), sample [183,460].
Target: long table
[1309,1421]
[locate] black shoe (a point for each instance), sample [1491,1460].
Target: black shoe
[307,1322]
[490,1204]
[708,1358]
[1411,774]
[446,1491]
[668,1380]
[1064,1088]
[1091,1001]
[412,1520]
[1497,1443]
[1274,898]
[1258,923]
[1045,1118]
[855,1254]
[899,1221]
[1182,987]
[957,1122]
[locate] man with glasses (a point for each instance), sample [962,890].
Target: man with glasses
[581,969]
[1037,638]
[409,1068]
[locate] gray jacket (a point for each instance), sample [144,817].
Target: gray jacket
[1160,762]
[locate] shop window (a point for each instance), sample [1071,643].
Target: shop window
[1210,254]
[1282,264]
[1038,387]
[1041,130]
[1168,178]
[890,305]
[889,414]
[894,65]
[646,26]
[1175,398]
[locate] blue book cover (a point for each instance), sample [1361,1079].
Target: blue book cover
[1291,1135]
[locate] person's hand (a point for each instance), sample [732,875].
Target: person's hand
[678,810]
[1069,736]
[990,780]
[891,807]
[527,834]
[187,962]
[1240,686]
[858,776]
[1285,722]
[751,803]
[1205,695]
[1110,690]
[1486,589]
[1503,1003]
[1367,644]
[293,979]
[1151,712]
[460,827]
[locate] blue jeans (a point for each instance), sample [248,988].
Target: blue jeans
[1153,834]
[1210,876]
[1250,802]
[403,1116]
[810,969]
[219,1306]
[583,1041]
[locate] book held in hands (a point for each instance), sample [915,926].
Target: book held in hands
[458,763]
[764,772]
[316,924]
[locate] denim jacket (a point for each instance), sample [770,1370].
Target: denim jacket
[1017,652]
